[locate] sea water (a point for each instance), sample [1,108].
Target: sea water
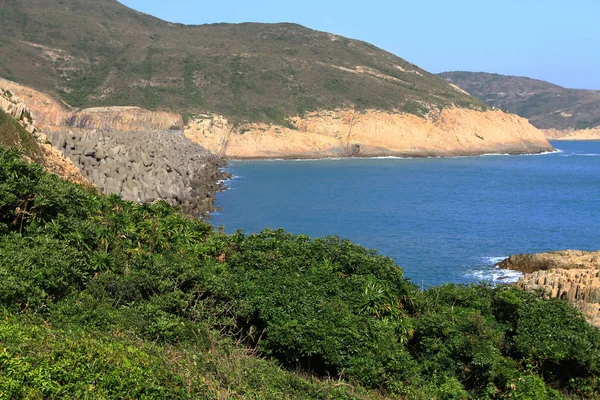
[441,219]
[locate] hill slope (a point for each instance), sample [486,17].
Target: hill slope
[547,106]
[96,53]
[247,90]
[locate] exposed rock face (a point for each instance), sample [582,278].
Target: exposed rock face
[136,153]
[52,159]
[345,133]
[43,108]
[572,275]
[124,119]
[145,166]
[371,133]
[582,134]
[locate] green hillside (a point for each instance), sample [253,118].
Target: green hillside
[12,134]
[99,52]
[106,299]
[544,104]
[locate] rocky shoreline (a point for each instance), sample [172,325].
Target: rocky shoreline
[572,275]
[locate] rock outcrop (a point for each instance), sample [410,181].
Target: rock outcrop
[343,133]
[52,159]
[350,133]
[572,275]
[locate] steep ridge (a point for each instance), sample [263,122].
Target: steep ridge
[572,275]
[562,113]
[259,80]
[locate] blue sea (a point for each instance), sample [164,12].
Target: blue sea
[441,219]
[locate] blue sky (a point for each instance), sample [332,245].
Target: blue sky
[552,40]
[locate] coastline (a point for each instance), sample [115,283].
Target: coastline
[398,156]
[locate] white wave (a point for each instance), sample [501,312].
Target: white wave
[493,260]
[580,155]
[489,272]
[556,151]
[494,275]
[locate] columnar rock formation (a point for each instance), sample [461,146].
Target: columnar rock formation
[145,166]
[571,275]
[371,133]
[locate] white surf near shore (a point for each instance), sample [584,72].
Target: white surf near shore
[490,273]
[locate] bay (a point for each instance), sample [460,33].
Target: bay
[441,219]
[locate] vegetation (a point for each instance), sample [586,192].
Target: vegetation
[13,134]
[102,298]
[544,104]
[100,53]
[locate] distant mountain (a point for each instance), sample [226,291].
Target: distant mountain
[546,105]
[99,53]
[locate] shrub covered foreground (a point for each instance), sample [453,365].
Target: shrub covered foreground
[101,298]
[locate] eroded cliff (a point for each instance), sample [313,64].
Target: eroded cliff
[572,275]
[350,133]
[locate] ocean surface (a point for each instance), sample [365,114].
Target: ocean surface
[441,219]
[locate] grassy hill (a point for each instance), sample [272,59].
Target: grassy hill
[544,104]
[99,52]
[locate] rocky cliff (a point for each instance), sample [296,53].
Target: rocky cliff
[350,133]
[571,275]
[33,142]
[343,133]
[139,154]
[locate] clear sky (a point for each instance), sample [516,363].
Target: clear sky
[553,40]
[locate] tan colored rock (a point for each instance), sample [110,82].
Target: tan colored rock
[371,133]
[44,109]
[342,133]
[124,119]
[53,160]
[581,134]
[572,275]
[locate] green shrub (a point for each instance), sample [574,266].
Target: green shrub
[170,307]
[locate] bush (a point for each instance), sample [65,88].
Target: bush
[144,290]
